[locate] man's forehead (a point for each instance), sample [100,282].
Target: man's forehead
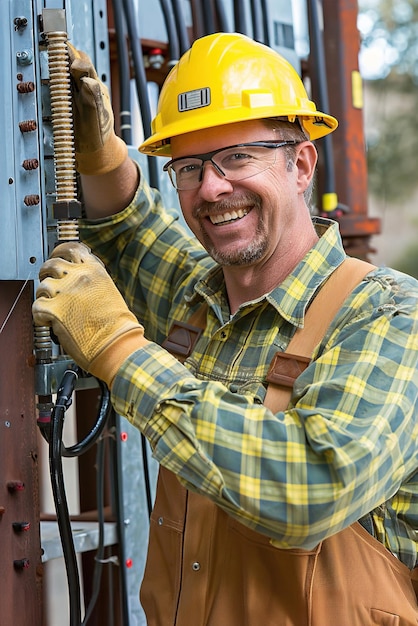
[208,139]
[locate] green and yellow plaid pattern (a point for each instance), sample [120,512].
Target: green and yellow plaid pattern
[347,444]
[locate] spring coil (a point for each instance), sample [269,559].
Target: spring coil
[64,152]
[42,338]
[67,230]
[62,117]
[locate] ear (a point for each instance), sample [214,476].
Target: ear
[306,159]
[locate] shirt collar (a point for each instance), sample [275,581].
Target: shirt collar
[293,295]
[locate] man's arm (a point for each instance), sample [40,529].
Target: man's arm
[111,192]
[109,178]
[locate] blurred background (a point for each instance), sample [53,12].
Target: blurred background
[388,63]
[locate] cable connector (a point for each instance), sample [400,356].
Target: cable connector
[66,388]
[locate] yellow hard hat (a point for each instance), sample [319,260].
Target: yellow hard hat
[226,78]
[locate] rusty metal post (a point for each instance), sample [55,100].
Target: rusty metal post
[341,48]
[20,549]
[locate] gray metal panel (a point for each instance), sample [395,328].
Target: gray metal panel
[21,242]
[135,515]
[27,228]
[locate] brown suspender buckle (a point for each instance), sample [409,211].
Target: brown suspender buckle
[181,339]
[285,368]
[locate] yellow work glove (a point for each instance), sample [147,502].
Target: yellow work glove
[98,149]
[87,313]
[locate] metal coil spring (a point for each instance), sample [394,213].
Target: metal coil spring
[62,117]
[67,230]
[42,338]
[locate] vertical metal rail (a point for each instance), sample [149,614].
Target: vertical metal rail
[66,210]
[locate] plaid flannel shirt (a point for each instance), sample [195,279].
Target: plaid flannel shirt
[346,445]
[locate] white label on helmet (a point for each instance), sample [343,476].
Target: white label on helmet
[195,99]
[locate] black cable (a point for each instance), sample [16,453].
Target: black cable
[317,46]
[257,21]
[265,11]
[198,20]
[183,36]
[141,85]
[54,435]
[60,500]
[208,18]
[147,479]
[124,73]
[91,438]
[221,16]
[98,566]
[170,25]
[239,17]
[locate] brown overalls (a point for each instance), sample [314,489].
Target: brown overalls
[204,568]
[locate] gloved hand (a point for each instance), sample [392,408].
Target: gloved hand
[98,149]
[78,298]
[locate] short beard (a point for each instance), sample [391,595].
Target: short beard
[250,255]
[257,247]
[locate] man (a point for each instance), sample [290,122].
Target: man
[305,513]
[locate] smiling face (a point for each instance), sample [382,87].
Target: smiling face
[246,222]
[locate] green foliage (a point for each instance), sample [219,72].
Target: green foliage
[389,28]
[392,147]
[408,262]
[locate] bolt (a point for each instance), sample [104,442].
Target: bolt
[30,164]
[20,22]
[15,485]
[24,57]
[19,527]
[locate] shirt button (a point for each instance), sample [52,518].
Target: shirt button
[223,334]
[233,388]
[160,521]
[196,566]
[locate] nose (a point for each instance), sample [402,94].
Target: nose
[213,182]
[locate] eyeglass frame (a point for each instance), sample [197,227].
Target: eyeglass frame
[208,156]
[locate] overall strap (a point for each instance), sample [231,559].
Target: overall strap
[287,366]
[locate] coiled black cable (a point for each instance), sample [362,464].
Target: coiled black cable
[57,450]
[58,490]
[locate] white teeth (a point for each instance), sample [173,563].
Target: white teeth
[228,217]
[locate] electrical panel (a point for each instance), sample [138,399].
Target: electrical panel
[27,183]
[21,189]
